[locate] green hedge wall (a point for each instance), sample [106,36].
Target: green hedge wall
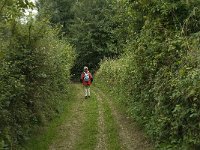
[158,76]
[34,75]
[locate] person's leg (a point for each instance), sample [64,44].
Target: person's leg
[85,91]
[88,90]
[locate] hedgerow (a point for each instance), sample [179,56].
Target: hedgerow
[34,76]
[158,76]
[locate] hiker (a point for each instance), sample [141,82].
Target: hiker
[86,80]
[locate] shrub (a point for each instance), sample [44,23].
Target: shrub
[157,79]
[34,73]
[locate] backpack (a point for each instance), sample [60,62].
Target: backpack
[86,77]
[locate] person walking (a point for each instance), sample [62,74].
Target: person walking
[86,80]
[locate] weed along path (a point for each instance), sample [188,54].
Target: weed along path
[97,124]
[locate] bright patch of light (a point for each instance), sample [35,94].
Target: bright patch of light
[29,13]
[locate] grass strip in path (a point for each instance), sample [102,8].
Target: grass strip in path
[88,135]
[109,134]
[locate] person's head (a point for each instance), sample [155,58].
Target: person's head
[85,68]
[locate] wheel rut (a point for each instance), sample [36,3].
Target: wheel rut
[131,136]
[70,130]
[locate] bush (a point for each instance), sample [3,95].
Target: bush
[157,79]
[34,73]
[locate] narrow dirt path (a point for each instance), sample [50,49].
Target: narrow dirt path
[69,131]
[97,124]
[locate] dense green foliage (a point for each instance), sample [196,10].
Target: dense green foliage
[88,24]
[158,76]
[58,11]
[34,74]
[90,33]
